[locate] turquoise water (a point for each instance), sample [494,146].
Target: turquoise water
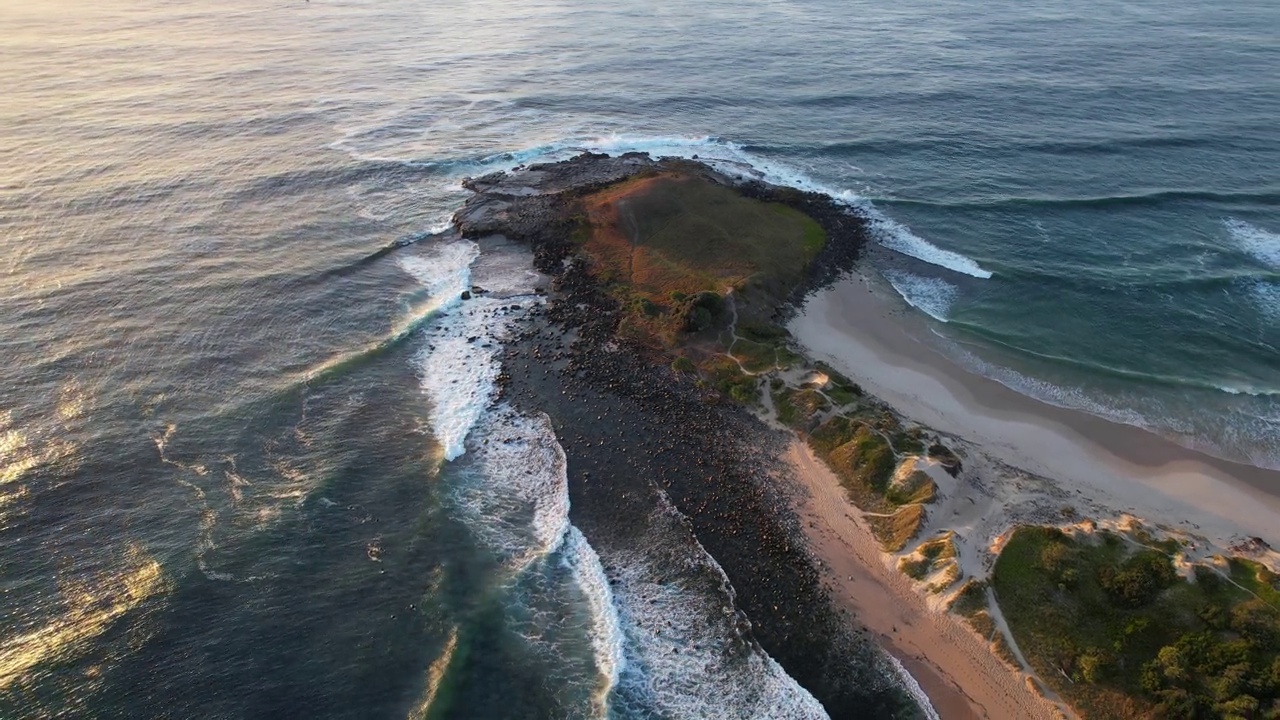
[226,412]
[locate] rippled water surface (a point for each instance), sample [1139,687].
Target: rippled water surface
[234,479]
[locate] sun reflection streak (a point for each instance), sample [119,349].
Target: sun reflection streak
[91,606]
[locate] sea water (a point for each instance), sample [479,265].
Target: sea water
[243,469]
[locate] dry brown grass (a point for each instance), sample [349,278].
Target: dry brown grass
[655,240]
[864,465]
[896,530]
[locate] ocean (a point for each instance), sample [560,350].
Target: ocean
[252,463]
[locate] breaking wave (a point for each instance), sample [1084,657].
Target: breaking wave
[913,688]
[933,296]
[459,366]
[686,656]
[1262,244]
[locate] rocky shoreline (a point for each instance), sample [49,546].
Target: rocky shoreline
[639,437]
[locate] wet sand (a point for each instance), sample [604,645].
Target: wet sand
[958,672]
[887,348]
[1111,470]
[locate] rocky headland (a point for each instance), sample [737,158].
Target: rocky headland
[689,411]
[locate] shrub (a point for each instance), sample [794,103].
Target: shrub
[915,568]
[1139,579]
[703,311]
[1092,667]
[1208,579]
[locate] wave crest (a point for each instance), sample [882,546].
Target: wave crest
[932,296]
[1263,245]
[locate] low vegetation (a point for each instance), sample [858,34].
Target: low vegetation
[797,407]
[670,247]
[936,557]
[1109,624]
[864,449]
[896,530]
[698,271]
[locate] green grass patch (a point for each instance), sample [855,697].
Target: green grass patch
[755,357]
[766,333]
[916,487]
[669,245]
[909,441]
[1257,579]
[864,465]
[932,556]
[724,375]
[787,413]
[833,433]
[843,396]
[1134,638]
[711,228]
[971,599]
[796,408]
[788,358]
[896,530]
[841,389]
[940,548]
[982,623]
[948,578]
[915,568]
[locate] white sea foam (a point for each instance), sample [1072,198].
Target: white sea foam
[444,271]
[516,493]
[674,646]
[1267,296]
[913,688]
[606,627]
[684,656]
[934,296]
[896,236]
[458,366]
[736,160]
[1263,245]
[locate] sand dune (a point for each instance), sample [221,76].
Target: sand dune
[1025,462]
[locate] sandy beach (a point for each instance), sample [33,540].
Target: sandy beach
[962,678]
[1025,462]
[887,348]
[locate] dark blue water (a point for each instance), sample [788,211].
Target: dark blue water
[232,470]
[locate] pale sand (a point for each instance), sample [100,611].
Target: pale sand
[1115,466]
[1024,462]
[954,667]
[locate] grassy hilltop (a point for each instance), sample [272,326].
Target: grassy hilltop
[671,246]
[700,270]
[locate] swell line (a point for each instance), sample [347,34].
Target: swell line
[1151,199]
[1156,378]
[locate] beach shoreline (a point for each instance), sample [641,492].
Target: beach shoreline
[954,667]
[643,434]
[887,348]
